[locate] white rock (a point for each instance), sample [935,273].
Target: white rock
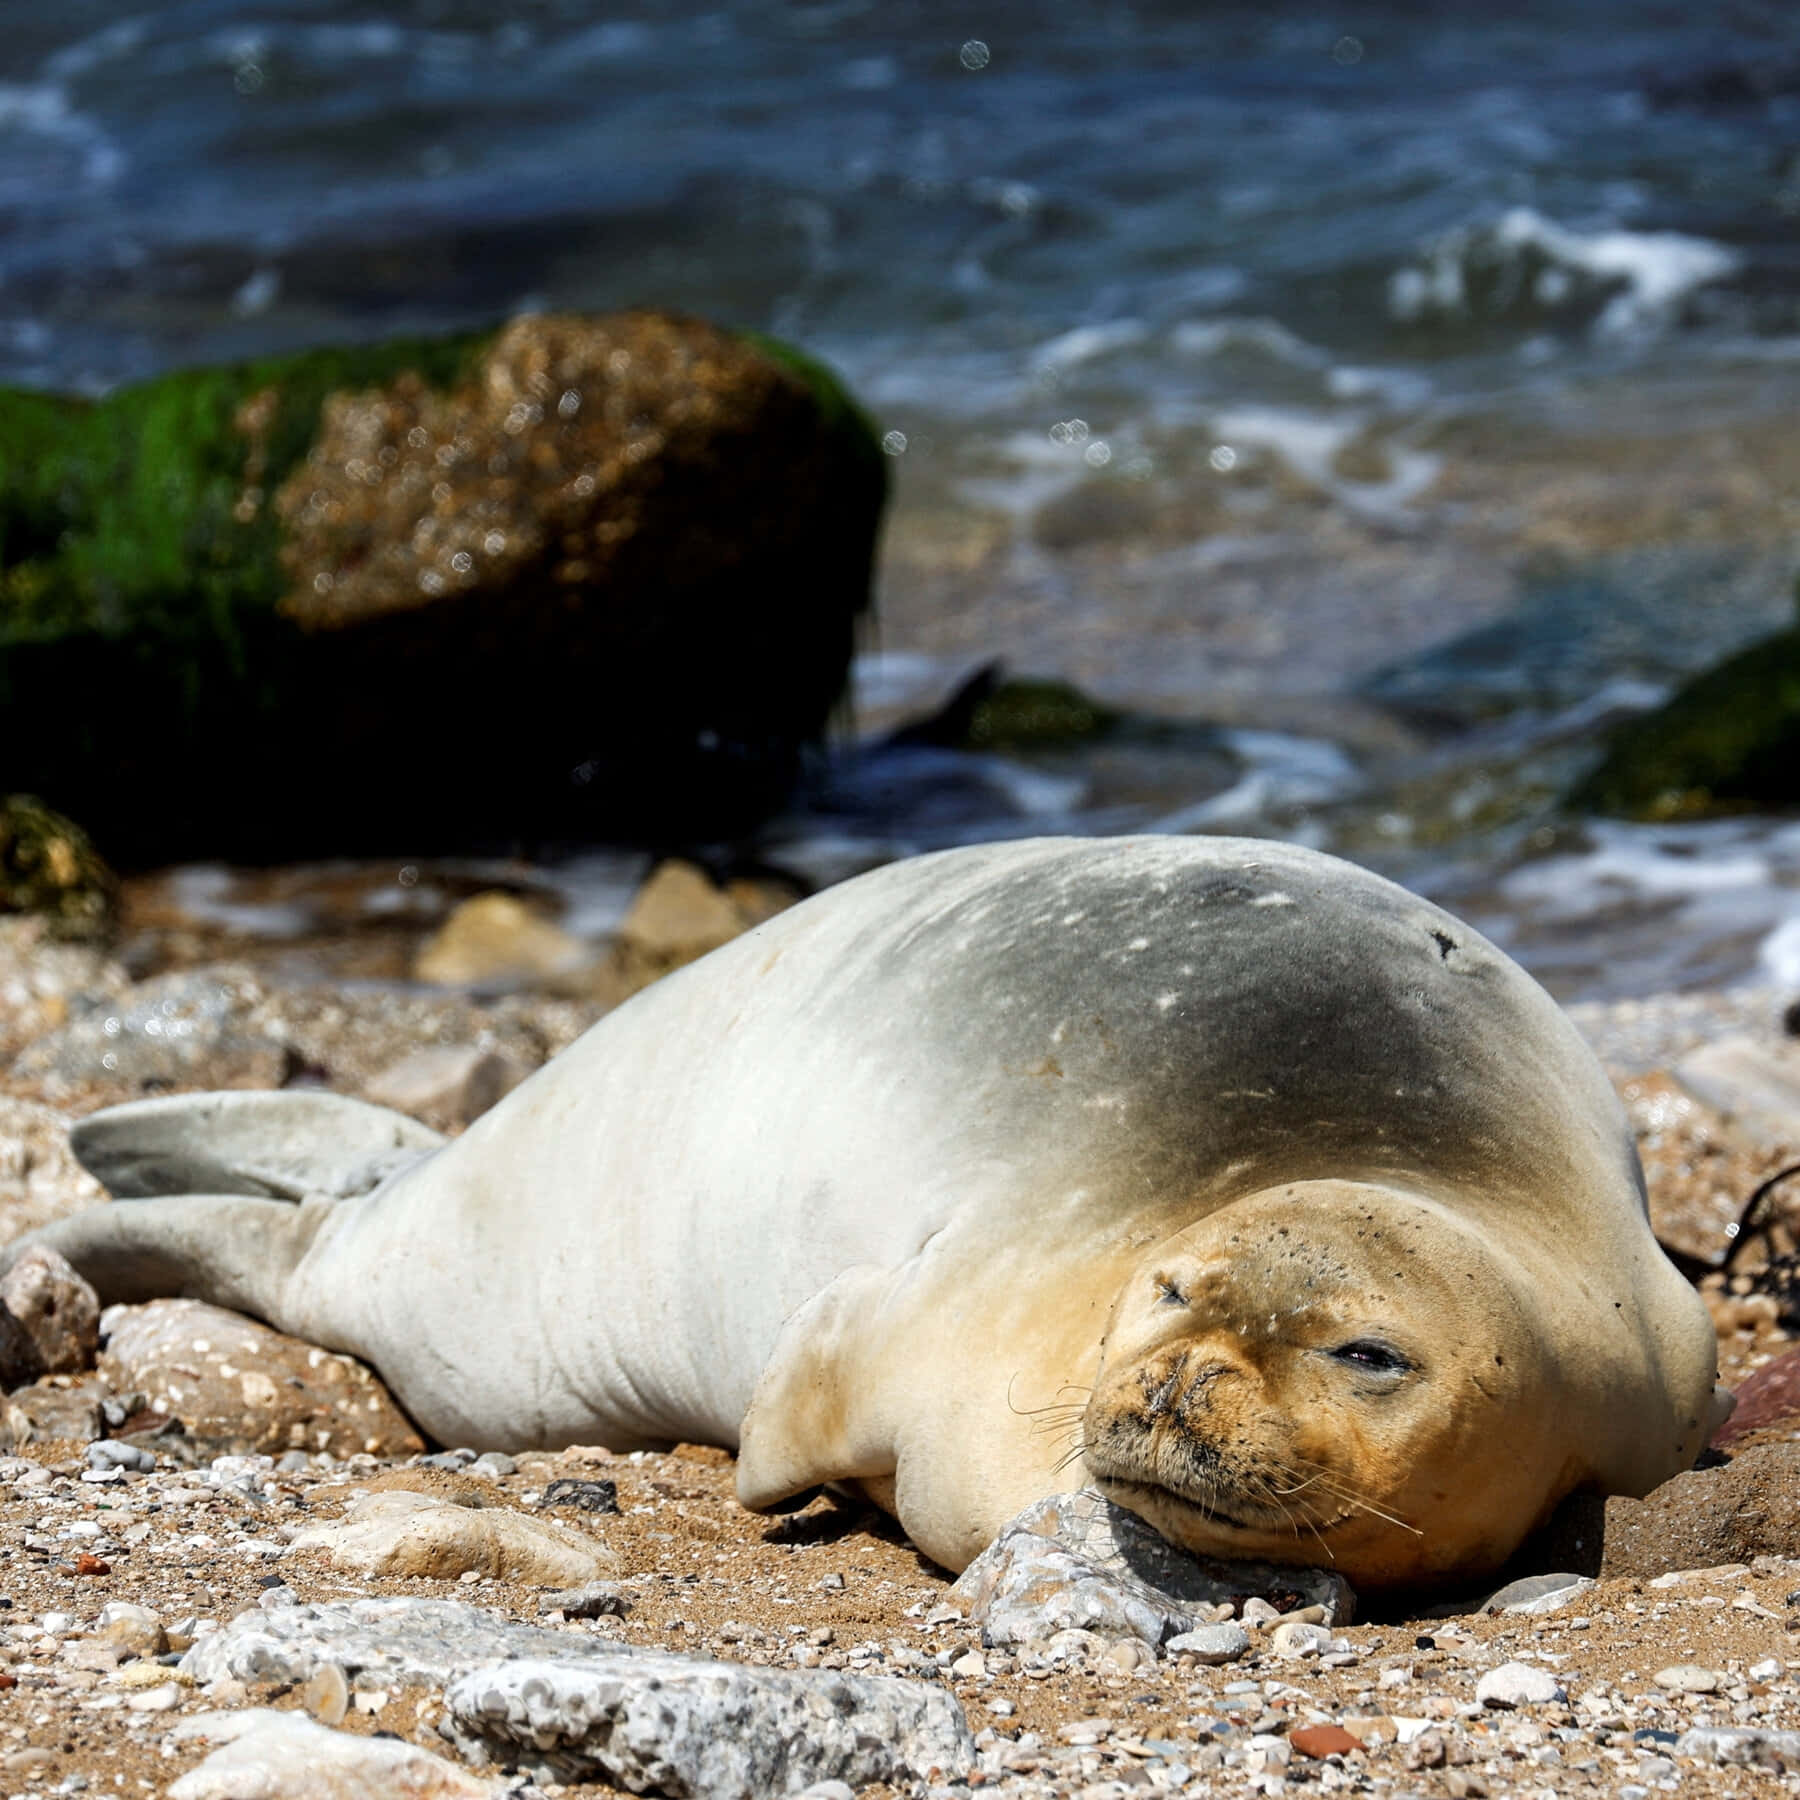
[1743,1746]
[1517,1684]
[165,1697]
[1212,1644]
[286,1756]
[1688,1678]
[1297,1639]
[687,1727]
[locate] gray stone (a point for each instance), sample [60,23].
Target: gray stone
[689,1727]
[447,1084]
[377,1643]
[1076,1561]
[1211,1643]
[1536,1594]
[1756,1086]
[596,1600]
[1517,1684]
[109,1453]
[287,1756]
[1745,1746]
[59,1310]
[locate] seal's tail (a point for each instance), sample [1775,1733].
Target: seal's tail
[245,1181]
[225,1248]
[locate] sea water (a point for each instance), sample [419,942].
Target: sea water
[1389,398]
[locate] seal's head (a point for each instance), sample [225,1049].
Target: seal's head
[1334,1373]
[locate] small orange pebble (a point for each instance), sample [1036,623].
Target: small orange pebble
[1322,1740]
[91,1565]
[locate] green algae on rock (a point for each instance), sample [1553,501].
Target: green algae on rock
[1729,741]
[50,868]
[577,577]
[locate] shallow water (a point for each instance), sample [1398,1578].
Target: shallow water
[1403,396]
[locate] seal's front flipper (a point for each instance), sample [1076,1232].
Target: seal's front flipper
[226,1248]
[816,1415]
[278,1146]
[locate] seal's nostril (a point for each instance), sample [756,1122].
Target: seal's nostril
[1162,1397]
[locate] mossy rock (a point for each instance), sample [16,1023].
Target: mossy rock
[50,868]
[572,578]
[1727,742]
[994,711]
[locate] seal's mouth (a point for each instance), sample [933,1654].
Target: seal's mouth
[1258,1518]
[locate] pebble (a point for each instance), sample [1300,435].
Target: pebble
[326,1694]
[106,1454]
[1517,1684]
[1211,1644]
[1689,1678]
[1297,1639]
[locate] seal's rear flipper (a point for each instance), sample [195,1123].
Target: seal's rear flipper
[279,1146]
[225,1248]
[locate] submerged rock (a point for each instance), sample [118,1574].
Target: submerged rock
[49,867]
[1077,1562]
[1726,742]
[579,575]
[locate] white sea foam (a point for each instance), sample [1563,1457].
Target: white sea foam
[1281,773]
[1309,443]
[1086,343]
[1523,263]
[203,893]
[1216,337]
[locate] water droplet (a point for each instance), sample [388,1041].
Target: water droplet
[408,876]
[974,54]
[570,403]
[894,443]
[1347,51]
[1098,454]
[1223,458]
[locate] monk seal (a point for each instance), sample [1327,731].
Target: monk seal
[1223,1173]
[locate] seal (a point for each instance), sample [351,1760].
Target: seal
[1225,1174]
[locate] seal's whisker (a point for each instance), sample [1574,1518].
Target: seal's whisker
[1361,1503]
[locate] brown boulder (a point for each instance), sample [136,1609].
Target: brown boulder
[1747,1507]
[1768,1402]
[238,1387]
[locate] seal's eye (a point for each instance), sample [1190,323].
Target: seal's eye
[1168,1293]
[1373,1357]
